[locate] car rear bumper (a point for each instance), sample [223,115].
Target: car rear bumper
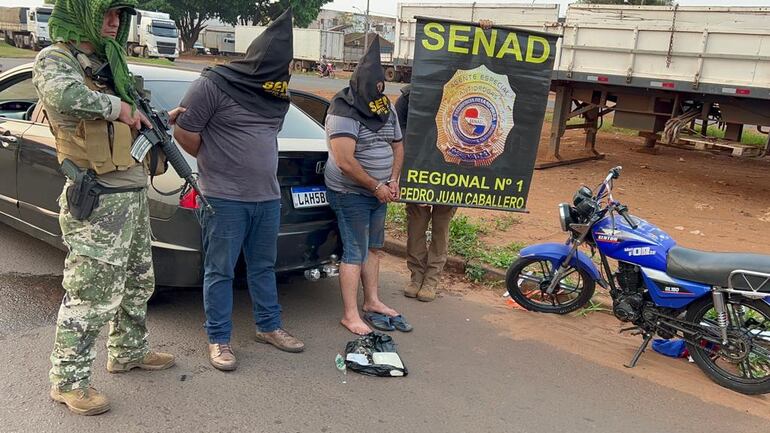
[301,247]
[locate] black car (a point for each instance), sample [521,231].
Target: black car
[30,181]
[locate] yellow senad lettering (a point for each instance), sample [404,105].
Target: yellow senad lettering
[372,106]
[268,85]
[430,30]
[510,46]
[531,48]
[454,38]
[480,38]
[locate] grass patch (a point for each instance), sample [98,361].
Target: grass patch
[748,137]
[475,273]
[502,257]
[156,62]
[395,218]
[592,307]
[9,51]
[504,223]
[464,237]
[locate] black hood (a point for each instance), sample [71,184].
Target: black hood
[361,100]
[259,81]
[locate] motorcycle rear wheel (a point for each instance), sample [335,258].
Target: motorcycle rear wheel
[528,277]
[738,367]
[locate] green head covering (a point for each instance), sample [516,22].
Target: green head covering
[81,21]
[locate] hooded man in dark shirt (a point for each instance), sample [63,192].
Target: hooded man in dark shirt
[234,113]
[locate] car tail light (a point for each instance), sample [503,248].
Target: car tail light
[189,200]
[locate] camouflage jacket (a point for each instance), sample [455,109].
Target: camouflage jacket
[61,85]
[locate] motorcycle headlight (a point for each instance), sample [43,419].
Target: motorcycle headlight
[565,216]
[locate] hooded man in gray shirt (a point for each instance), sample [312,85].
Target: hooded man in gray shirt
[234,113]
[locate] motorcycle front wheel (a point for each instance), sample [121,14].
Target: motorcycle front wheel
[528,279]
[743,365]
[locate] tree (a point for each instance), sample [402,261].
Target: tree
[190,15]
[305,11]
[629,2]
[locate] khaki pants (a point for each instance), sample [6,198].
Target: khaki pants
[426,263]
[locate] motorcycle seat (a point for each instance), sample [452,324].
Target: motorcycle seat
[714,269]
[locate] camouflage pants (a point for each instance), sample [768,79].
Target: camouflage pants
[108,277]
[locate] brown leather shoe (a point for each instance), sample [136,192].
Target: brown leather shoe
[427,293]
[151,361]
[282,340]
[82,401]
[221,356]
[411,290]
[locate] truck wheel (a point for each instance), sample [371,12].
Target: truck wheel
[171,59]
[407,77]
[298,66]
[390,74]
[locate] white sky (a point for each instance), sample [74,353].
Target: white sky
[388,7]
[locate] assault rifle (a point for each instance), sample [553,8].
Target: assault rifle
[159,136]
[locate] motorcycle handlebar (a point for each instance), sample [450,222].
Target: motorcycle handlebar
[623,211]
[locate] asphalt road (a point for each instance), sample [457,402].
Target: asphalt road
[298,81]
[464,374]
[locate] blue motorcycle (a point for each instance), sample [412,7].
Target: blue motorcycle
[716,302]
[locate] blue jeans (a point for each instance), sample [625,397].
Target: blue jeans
[251,227]
[361,220]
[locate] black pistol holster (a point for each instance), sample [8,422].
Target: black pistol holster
[83,194]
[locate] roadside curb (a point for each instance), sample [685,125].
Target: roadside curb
[458,265]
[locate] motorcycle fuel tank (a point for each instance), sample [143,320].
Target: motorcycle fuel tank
[646,246]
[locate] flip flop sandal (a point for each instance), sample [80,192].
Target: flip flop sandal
[379,321]
[400,323]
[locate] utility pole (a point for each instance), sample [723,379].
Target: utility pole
[366,30]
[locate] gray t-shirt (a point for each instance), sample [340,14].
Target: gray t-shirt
[374,151]
[238,157]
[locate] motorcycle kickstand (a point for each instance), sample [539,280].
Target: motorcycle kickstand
[639,351]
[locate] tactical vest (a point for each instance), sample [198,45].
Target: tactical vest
[101,145]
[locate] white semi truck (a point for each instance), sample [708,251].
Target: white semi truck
[310,45]
[153,34]
[26,27]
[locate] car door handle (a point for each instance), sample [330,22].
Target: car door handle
[7,139]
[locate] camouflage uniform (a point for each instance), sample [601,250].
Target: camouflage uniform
[108,273]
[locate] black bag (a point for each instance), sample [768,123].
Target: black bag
[371,346]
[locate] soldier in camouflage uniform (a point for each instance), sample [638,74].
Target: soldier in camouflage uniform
[108,272]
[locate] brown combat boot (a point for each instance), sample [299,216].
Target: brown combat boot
[151,361]
[82,401]
[282,340]
[427,293]
[412,289]
[221,356]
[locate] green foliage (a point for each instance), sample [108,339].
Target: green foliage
[156,62]
[474,272]
[464,237]
[395,219]
[501,257]
[505,222]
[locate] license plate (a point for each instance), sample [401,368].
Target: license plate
[308,196]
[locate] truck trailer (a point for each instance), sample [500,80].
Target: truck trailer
[153,34]
[667,71]
[219,41]
[26,27]
[310,45]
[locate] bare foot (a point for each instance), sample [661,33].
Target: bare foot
[356,326]
[379,307]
